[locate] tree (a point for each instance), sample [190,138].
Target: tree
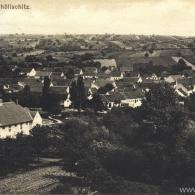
[77,94]
[49,58]
[45,93]
[70,73]
[103,90]
[40,139]
[96,103]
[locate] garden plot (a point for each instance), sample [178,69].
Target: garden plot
[40,180]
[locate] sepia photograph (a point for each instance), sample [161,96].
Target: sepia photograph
[97,97]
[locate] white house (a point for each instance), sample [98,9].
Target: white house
[32,73]
[16,119]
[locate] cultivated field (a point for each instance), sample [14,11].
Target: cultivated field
[37,181]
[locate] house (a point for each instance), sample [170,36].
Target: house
[42,74]
[39,74]
[90,72]
[112,100]
[108,63]
[30,73]
[173,78]
[185,87]
[116,75]
[126,69]
[16,119]
[153,77]
[98,83]
[57,75]
[132,98]
[36,86]
[26,71]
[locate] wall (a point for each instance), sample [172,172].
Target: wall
[14,129]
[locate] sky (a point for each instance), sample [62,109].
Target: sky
[163,17]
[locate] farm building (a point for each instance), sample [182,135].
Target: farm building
[16,119]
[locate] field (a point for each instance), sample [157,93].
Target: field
[37,181]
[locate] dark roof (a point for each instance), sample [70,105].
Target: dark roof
[133,94]
[115,74]
[11,113]
[61,82]
[34,84]
[56,75]
[59,90]
[113,97]
[90,71]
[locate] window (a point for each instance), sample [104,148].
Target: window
[20,126]
[10,128]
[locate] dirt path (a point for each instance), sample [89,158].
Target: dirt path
[40,180]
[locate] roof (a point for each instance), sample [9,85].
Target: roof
[133,94]
[107,62]
[90,71]
[126,68]
[115,74]
[43,73]
[59,90]
[102,82]
[34,84]
[11,113]
[56,75]
[114,97]
[188,83]
[61,82]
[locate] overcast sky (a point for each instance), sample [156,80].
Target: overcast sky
[167,17]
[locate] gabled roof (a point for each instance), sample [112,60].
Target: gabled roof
[11,113]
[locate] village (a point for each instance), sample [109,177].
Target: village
[117,71]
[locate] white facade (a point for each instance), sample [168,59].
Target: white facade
[132,102]
[32,73]
[37,120]
[116,78]
[13,130]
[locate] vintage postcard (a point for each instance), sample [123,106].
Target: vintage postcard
[97,97]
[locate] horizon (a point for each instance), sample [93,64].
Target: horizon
[97,34]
